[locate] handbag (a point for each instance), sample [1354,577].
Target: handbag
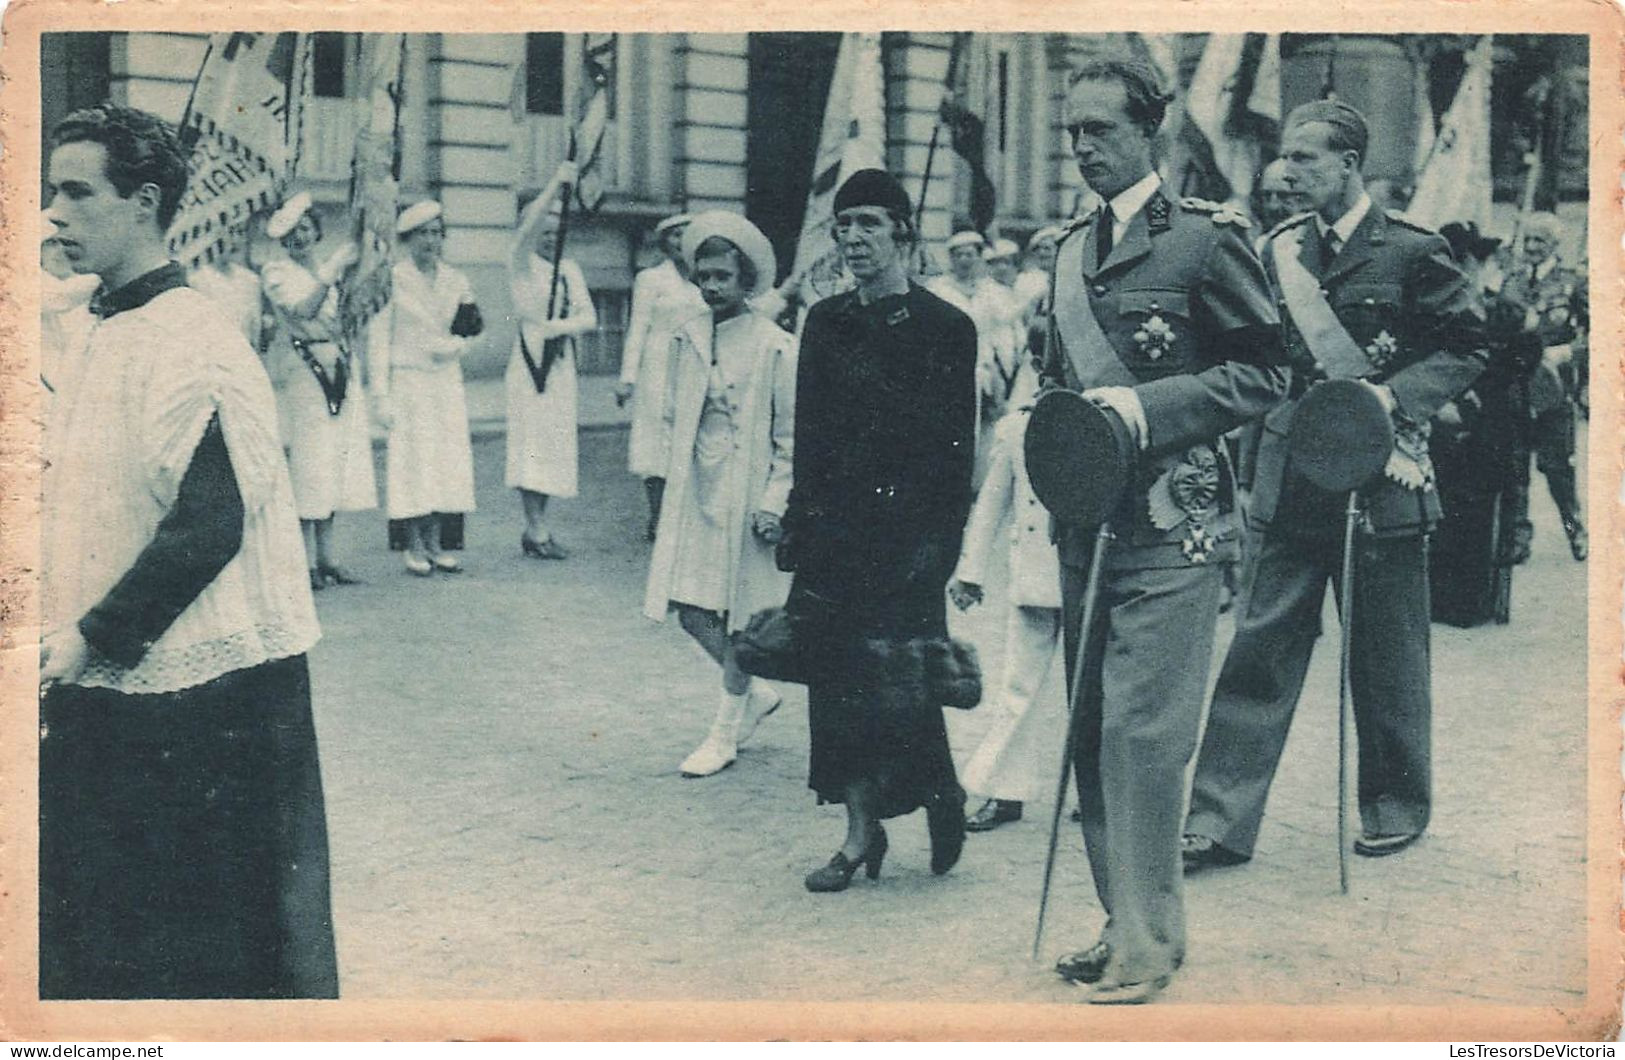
[468,322]
[795,643]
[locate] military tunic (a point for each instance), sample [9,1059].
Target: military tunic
[1397,292]
[1186,310]
[1551,300]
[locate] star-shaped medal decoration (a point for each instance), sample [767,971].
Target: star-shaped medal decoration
[1198,544]
[1155,337]
[1382,350]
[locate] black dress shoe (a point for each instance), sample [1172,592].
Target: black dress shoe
[1085,966]
[1198,852]
[945,819]
[1380,846]
[1579,541]
[993,813]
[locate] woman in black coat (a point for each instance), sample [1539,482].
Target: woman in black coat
[884,444]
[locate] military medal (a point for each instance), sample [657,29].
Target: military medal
[1155,336]
[1409,464]
[1188,493]
[1382,349]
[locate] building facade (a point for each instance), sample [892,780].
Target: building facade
[696,121]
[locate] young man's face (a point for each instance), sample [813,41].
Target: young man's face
[1313,168]
[1113,152]
[95,225]
[1003,270]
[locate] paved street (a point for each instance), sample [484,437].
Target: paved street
[500,752]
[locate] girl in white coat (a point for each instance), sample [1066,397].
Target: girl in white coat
[1004,768]
[731,409]
[541,379]
[418,390]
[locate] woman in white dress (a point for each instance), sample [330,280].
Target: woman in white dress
[318,382]
[417,384]
[541,378]
[731,407]
[663,298]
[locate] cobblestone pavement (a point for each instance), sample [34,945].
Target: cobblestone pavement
[500,752]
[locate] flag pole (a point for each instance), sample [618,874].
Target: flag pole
[955,51]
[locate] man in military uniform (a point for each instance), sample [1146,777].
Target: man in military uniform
[1164,315]
[1552,300]
[1365,294]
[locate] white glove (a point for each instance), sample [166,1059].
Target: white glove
[1384,394]
[342,258]
[567,173]
[1558,355]
[1126,403]
[383,410]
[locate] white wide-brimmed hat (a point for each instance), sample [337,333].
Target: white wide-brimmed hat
[741,233]
[1001,248]
[416,216]
[287,216]
[966,238]
[676,220]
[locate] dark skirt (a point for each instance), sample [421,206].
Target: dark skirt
[183,842]
[863,730]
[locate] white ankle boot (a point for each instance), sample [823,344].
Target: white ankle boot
[761,700]
[721,747]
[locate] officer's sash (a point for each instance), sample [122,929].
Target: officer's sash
[1339,356]
[1089,353]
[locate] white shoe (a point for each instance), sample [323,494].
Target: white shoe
[712,756]
[762,701]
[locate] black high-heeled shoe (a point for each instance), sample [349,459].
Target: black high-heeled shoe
[837,875]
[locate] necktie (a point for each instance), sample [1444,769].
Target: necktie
[1330,244]
[1103,233]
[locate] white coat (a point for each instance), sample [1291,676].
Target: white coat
[1035,572]
[661,302]
[416,375]
[767,430]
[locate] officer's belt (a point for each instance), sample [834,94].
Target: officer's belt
[1339,356]
[1090,356]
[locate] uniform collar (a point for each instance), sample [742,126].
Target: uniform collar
[1131,200]
[1344,226]
[139,291]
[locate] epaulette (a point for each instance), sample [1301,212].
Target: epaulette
[1290,222]
[1218,211]
[1073,224]
[1400,217]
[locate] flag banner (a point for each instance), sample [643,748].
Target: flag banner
[967,129]
[853,138]
[374,192]
[1232,114]
[240,130]
[597,75]
[1455,184]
